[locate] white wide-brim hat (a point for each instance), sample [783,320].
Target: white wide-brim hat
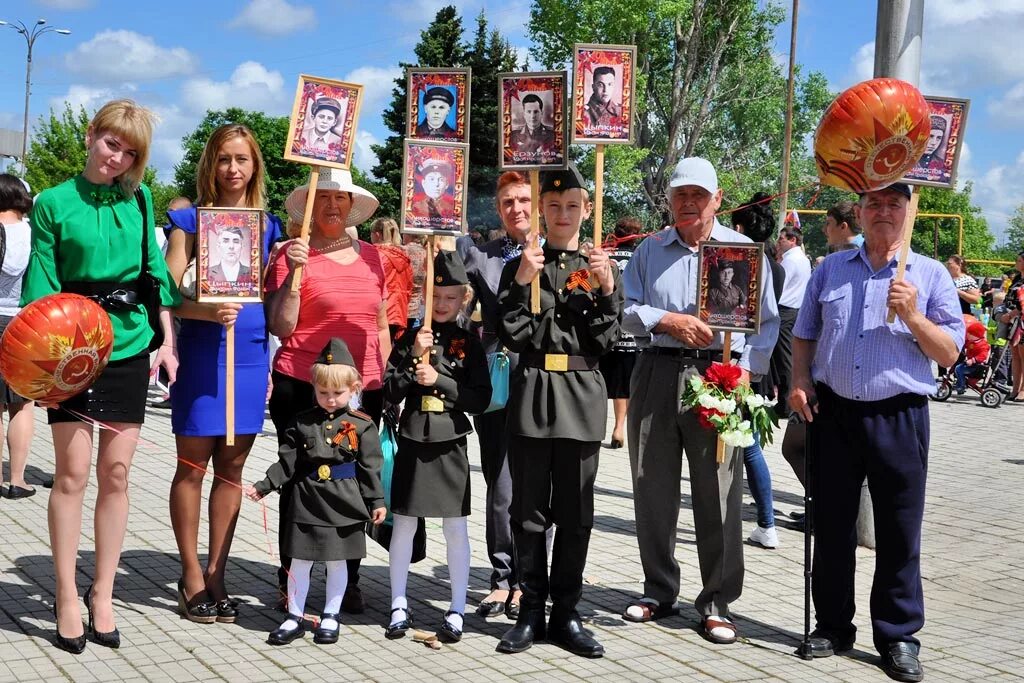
[364,204]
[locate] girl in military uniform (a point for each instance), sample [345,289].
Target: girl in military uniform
[440,371]
[331,455]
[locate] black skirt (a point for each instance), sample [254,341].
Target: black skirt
[7,396]
[323,543]
[617,368]
[430,479]
[118,395]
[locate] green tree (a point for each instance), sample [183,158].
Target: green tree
[1014,240]
[939,237]
[270,132]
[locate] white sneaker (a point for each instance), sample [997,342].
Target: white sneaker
[766,538]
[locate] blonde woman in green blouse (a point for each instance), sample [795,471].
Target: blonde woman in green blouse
[87,238]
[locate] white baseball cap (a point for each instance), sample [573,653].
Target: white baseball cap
[695,171]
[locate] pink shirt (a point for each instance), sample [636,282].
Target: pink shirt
[334,301]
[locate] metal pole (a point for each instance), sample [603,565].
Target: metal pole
[788,140]
[28,90]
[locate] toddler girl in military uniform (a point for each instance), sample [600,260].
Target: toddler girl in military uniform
[331,456]
[440,371]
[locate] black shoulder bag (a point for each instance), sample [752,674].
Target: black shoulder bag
[147,287]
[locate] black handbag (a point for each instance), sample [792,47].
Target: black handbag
[147,286]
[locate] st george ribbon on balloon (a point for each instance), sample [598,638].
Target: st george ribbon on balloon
[871,135]
[56,347]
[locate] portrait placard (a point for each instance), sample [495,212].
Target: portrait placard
[532,114]
[229,260]
[438,104]
[729,286]
[937,166]
[603,94]
[322,130]
[434,188]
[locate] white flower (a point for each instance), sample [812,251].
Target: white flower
[754,401]
[707,401]
[728,406]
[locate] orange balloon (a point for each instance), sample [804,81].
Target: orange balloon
[871,135]
[56,347]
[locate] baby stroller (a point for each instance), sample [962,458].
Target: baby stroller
[984,385]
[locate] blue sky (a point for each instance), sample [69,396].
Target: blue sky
[184,57]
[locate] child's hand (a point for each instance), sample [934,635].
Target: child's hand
[424,342]
[601,268]
[251,493]
[532,261]
[970,361]
[426,374]
[378,516]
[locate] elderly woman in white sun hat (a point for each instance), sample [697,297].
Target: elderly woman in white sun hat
[341,294]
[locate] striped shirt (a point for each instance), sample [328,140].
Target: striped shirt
[859,355]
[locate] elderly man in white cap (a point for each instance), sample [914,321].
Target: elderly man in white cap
[661,305]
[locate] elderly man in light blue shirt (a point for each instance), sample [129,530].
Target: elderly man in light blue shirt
[661,288]
[862,384]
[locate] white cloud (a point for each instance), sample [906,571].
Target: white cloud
[508,16]
[1000,190]
[377,82]
[363,157]
[92,98]
[1009,109]
[121,56]
[274,17]
[66,4]
[250,86]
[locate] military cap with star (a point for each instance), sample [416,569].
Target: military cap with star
[336,353]
[449,269]
[443,94]
[561,180]
[435,166]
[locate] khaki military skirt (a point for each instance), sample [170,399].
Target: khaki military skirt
[323,543]
[431,479]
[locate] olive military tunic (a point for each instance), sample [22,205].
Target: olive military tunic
[431,476]
[573,321]
[325,516]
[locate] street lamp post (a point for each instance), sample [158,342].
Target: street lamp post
[30,34]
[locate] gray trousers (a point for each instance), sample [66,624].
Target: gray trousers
[658,436]
[490,430]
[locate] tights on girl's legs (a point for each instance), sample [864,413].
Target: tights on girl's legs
[456,535]
[298,589]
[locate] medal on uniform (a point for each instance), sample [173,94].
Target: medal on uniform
[323,472]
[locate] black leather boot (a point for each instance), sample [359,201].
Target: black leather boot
[569,556]
[532,561]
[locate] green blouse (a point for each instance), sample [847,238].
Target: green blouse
[86,232]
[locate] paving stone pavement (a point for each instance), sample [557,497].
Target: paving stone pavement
[973,562]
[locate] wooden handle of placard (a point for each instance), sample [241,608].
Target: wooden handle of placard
[534,232]
[726,359]
[428,293]
[229,385]
[908,234]
[307,218]
[598,193]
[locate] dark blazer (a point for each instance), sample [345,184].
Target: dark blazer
[216,273]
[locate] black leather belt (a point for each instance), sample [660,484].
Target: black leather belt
[109,295]
[558,362]
[696,354]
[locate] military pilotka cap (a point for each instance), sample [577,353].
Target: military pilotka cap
[562,180]
[439,94]
[902,188]
[336,353]
[449,269]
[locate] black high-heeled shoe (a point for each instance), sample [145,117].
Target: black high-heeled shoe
[111,639]
[75,646]
[195,610]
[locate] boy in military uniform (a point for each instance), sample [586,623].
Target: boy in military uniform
[557,410]
[431,476]
[331,456]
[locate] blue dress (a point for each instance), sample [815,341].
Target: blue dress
[197,397]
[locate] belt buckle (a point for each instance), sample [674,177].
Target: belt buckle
[323,473]
[556,362]
[431,404]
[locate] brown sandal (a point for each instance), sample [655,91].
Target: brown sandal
[652,611]
[711,622]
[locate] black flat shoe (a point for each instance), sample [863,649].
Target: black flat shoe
[529,627]
[448,633]
[900,662]
[227,611]
[16,492]
[326,636]
[512,610]
[567,631]
[490,608]
[195,610]
[283,636]
[352,602]
[824,644]
[615,443]
[75,646]
[111,639]
[398,629]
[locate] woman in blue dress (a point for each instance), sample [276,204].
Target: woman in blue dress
[230,174]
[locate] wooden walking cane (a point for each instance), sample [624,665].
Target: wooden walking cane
[726,359]
[908,235]
[307,218]
[534,236]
